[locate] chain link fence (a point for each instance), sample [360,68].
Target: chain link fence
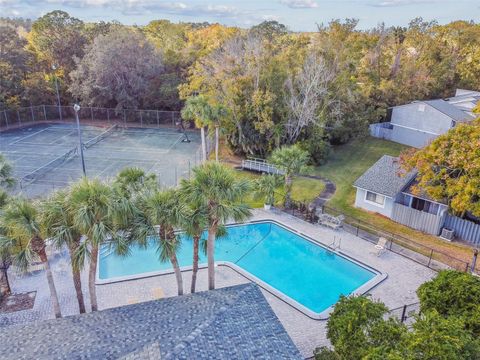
[409,248]
[14,118]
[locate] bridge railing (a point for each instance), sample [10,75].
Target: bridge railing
[260,165]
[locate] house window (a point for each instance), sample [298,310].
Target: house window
[375,198]
[426,206]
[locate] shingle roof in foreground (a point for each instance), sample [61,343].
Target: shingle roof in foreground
[384,177]
[229,323]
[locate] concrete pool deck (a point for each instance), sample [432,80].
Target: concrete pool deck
[404,277]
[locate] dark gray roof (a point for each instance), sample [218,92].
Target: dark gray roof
[229,323]
[448,109]
[384,177]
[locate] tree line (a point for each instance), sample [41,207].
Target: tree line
[277,87]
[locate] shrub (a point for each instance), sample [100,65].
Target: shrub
[349,322]
[453,293]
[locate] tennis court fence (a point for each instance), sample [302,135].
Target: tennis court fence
[14,118]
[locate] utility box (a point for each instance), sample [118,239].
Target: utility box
[447,234]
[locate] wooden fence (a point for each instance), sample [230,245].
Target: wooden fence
[464,229]
[381,130]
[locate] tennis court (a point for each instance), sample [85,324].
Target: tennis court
[46,156]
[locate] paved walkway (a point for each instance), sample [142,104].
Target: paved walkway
[326,194]
[404,277]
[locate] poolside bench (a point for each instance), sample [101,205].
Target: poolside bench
[333,222]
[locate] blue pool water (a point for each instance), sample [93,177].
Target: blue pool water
[307,273]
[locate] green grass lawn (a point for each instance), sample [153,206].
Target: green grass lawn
[350,161]
[303,189]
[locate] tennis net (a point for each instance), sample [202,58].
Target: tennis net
[50,166]
[100,137]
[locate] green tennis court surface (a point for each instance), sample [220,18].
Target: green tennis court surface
[45,156]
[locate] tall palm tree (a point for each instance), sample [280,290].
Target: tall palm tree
[204,114]
[194,225]
[216,188]
[160,210]
[196,108]
[292,160]
[90,204]
[218,114]
[22,237]
[57,224]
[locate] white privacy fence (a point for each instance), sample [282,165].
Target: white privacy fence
[464,229]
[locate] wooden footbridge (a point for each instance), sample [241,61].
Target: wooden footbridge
[260,165]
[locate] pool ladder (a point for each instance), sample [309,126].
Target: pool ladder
[334,245]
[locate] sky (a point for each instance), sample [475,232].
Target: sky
[298,15]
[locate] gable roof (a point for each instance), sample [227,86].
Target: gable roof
[460,92]
[228,323]
[449,109]
[384,177]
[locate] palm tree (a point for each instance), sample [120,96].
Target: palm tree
[132,180]
[58,225]
[163,209]
[266,185]
[6,173]
[217,113]
[194,225]
[292,160]
[216,188]
[198,109]
[91,203]
[6,181]
[21,237]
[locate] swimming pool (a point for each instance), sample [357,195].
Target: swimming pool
[298,270]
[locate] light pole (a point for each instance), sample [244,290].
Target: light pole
[54,67]
[76,107]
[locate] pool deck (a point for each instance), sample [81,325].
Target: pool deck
[404,277]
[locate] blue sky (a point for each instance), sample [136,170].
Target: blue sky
[298,15]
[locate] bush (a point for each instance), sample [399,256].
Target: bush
[349,323]
[324,353]
[453,293]
[319,150]
[437,338]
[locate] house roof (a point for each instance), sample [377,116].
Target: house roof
[460,92]
[229,323]
[420,193]
[465,102]
[449,109]
[384,177]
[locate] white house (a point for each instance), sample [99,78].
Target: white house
[384,189]
[418,123]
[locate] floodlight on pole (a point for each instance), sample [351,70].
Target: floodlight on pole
[76,107]
[54,67]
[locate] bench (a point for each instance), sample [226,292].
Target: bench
[333,222]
